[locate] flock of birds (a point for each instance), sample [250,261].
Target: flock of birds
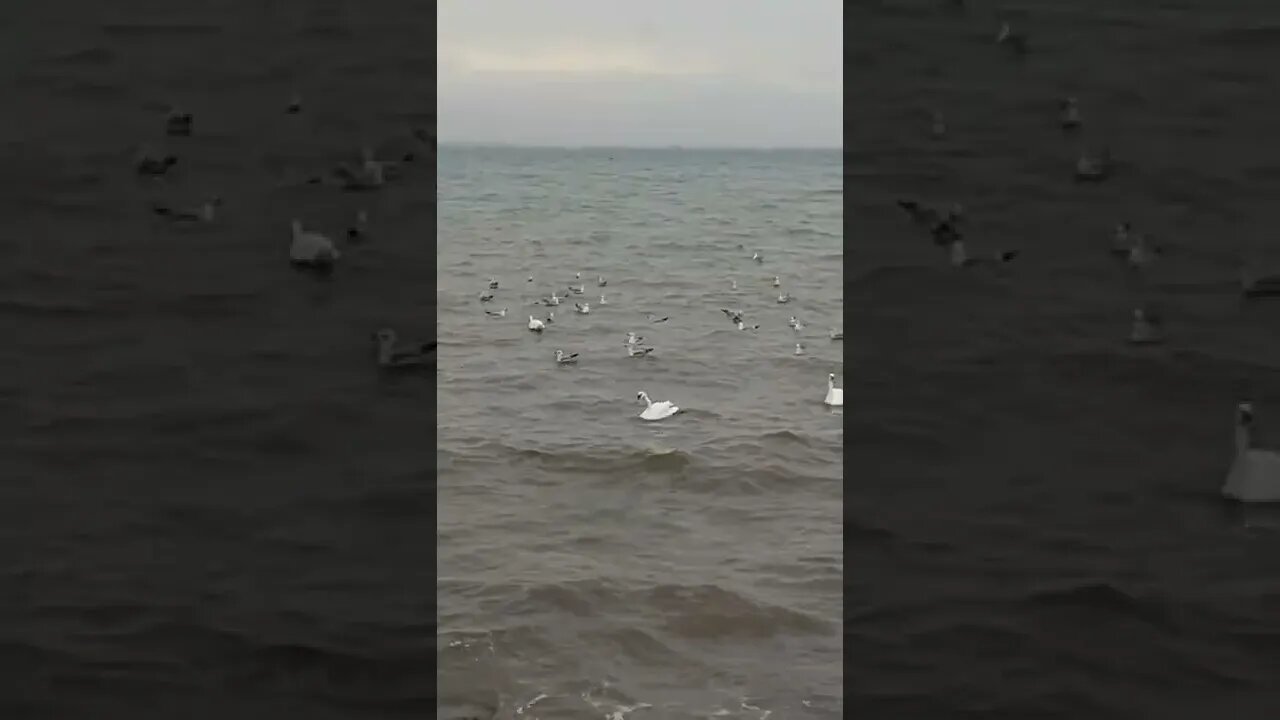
[309,250]
[634,343]
[1254,475]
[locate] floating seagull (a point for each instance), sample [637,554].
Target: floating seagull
[792,321]
[1016,42]
[938,127]
[633,338]
[392,357]
[836,334]
[601,282]
[1121,241]
[204,213]
[295,105]
[1070,117]
[582,309]
[1140,255]
[551,317]
[577,290]
[945,233]
[733,284]
[311,249]
[656,410]
[148,164]
[496,313]
[798,326]
[178,124]
[634,351]
[370,175]
[776,281]
[577,276]
[835,395]
[1145,331]
[356,232]
[959,258]
[536,325]
[551,301]
[758,257]
[799,349]
[530,279]
[733,315]
[1266,286]
[655,319]
[1255,474]
[562,359]
[744,326]
[603,301]
[784,298]
[486,295]
[1094,169]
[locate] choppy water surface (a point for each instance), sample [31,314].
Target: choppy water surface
[592,564]
[1038,532]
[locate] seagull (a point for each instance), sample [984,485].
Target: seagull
[1140,255]
[311,249]
[536,325]
[1094,169]
[633,339]
[656,410]
[798,326]
[601,282]
[582,309]
[178,124]
[551,317]
[496,313]
[392,357]
[204,213]
[603,301]
[356,232]
[799,349]
[1121,241]
[792,322]
[553,300]
[959,258]
[1255,474]
[743,326]
[836,334]
[758,257]
[784,298]
[776,281]
[148,164]
[295,105]
[938,126]
[835,395]
[1017,42]
[530,279]
[655,319]
[486,296]
[634,351]
[493,284]
[563,359]
[733,284]
[577,290]
[1146,330]
[1252,288]
[1070,114]
[577,276]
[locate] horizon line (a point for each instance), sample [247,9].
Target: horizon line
[545,146]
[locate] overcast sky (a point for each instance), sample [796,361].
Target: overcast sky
[728,73]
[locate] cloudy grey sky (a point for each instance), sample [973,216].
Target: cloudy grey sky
[735,73]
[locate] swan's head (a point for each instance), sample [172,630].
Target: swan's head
[642,397]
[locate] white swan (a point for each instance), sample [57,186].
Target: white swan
[1145,331]
[1255,474]
[835,395]
[536,325]
[309,248]
[656,410]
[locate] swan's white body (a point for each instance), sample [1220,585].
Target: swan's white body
[309,248]
[1255,474]
[656,410]
[835,395]
[536,325]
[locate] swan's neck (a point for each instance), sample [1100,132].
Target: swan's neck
[647,401]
